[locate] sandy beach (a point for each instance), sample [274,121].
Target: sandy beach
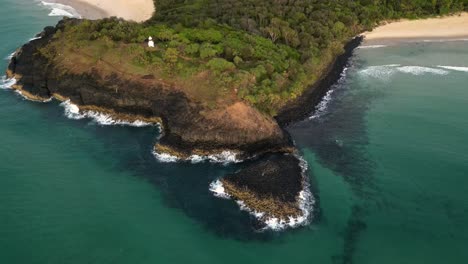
[450,27]
[136,10]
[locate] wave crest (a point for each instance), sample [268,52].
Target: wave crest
[385,72]
[217,189]
[321,108]
[454,68]
[61,10]
[372,46]
[7,83]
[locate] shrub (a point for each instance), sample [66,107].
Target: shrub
[220,65]
[171,56]
[192,49]
[207,50]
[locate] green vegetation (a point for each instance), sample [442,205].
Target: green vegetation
[263,51]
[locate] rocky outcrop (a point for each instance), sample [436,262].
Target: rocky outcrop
[274,189]
[266,181]
[189,126]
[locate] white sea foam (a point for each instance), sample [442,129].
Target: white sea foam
[372,46]
[321,108]
[33,100]
[7,83]
[306,203]
[165,157]
[72,111]
[218,190]
[380,72]
[445,40]
[385,72]
[225,157]
[34,38]
[61,10]
[454,68]
[419,70]
[9,57]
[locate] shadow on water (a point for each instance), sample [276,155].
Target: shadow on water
[338,138]
[337,134]
[184,186]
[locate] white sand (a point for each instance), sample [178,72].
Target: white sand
[434,28]
[136,10]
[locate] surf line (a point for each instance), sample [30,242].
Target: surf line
[61,10]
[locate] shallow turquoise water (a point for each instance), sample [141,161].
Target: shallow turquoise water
[387,155]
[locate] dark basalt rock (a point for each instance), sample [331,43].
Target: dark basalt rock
[270,185]
[277,176]
[304,105]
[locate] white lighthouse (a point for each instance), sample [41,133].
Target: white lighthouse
[150,42]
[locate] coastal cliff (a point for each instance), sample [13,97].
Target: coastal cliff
[189,126]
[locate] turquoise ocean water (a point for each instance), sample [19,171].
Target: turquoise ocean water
[387,154]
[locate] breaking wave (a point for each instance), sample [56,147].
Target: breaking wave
[454,68]
[225,157]
[386,71]
[372,46]
[217,189]
[9,57]
[419,70]
[61,10]
[321,108]
[72,111]
[305,197]
[445,40]
[7,83]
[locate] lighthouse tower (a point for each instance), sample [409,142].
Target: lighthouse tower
[150,42]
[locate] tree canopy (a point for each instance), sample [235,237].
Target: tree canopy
[265,51]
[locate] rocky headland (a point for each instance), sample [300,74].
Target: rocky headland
[273,184]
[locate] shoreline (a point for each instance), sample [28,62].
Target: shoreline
[136,10]
[447,28]
[305,104]
[85,9]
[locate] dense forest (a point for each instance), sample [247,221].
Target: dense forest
[265,52]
